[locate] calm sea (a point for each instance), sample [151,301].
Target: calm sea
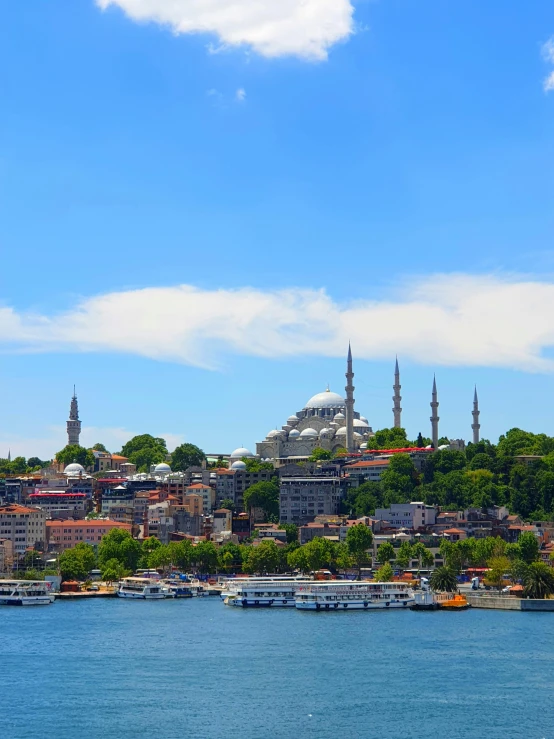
[196,668]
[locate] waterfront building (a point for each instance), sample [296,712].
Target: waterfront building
[206,492]
[412,516]
[231,483]
[301,499]
[69,504]
[61,535]
[24,526]
[222,521]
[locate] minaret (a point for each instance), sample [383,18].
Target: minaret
[434,417]
[475,413]
[397,410]
[73,424]
[349,402]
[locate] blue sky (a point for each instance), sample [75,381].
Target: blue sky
[374,171]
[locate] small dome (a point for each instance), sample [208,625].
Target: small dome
[293,420]
[309,433]
[272,434]
[358,436]
[364,419]
[162,469]
[339,417]
[238,465]
[358,423]
[363,446]
[342,431]
[74,469]
[241,452]
[325,400]
[326,432]
[294,434]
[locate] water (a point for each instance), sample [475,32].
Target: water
[196,668]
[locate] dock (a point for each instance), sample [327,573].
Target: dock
[510,603]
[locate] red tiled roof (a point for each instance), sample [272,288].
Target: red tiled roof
[198,485]
[16,508]
[369,463]
[71,523]
[454,531]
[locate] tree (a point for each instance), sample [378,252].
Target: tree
[72,566]
[180,554]
[423,555]
[528,547]
[358,540]
[204,556]
[404,555]
[292,531]
[538,581]
[113,571]
[99,448]
[394,438]
[185,456]
[420,443]
[498,568]
[443,579]
[32,559]
[263,558]
[265,495]
[320,454]
[228,503]
[297,560]
[254,465]
[75,453]
[319,553]
[145,450]
[119,544]
[384,573]
[34,462]
[385,552]
[87,555]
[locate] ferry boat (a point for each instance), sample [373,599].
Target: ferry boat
[25,593]
[343,595]
[177,588]
[141,587]
[264,592]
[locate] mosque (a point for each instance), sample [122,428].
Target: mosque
[327,420]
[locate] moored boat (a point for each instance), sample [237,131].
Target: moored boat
[25,593]
[263,592]
[347,595]
[457,602]
[141,588]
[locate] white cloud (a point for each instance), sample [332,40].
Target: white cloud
[548,50]
[240,95]
[273,28]
[549,83]
[454,319]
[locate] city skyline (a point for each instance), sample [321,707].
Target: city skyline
[194,225]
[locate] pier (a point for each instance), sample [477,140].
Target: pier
[509,603]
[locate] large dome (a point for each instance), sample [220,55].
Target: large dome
[241,452]
[326,399]
[74,469]
[309,433]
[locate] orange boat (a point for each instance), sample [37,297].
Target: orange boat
[456,603]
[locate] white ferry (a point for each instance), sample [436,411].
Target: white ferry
[141,587]
[343,595]
[264,592]
[25,593]
[178,588]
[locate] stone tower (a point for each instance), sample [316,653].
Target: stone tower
[73,424]
[349,402]
[397,410]
[475,413]
[434,416]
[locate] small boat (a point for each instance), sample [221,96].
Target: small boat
[455,602]
[141,588]
[25,593]
[424,600]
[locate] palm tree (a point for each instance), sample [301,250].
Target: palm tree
[443,579]
[538,580]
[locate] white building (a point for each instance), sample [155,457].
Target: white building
[407,515]
[24,526]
